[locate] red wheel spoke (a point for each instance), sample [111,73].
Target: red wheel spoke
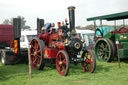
[32,46]
[38,51]
[63,69]
[35,45]
[33,50]
[91,66]
[64,61]
[32,54]
[39,59]
[59,57]
[89,61]
[34,61]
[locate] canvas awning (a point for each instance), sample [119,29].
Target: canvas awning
[115,16]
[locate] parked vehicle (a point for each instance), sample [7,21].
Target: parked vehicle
[88,36]
[6,35]
[14,43]
[106,44]
[60,47]
[26,37]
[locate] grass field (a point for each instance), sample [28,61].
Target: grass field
[105,74]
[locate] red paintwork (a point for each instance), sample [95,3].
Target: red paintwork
[6,34]
[58,23]
[52,43]
[121,30]
[44,36]
[53,37]
[60,45]
[50,53]
[60,33]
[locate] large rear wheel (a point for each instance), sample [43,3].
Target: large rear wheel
[62,63]
[114,49]
[89,61]
[36,53]
[104,50]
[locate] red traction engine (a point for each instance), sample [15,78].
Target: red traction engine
[61,47]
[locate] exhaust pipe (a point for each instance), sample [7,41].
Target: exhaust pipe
[71,10]
[17,27]
[40,24]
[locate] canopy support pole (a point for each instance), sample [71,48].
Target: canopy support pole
[123,22]
[95,29]
[101,26]
[115,24]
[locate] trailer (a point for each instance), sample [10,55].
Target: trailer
[10,51]
[115,42]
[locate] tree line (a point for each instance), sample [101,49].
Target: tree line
[92,27]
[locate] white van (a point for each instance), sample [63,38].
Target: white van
[26,37]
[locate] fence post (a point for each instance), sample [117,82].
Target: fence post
[29,59]
[117,43]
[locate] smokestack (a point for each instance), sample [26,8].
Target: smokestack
[17,27]
[40,24]
[71,10]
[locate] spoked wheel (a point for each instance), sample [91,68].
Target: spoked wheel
[114,49]
[36,53]
[89,61]
[62,63]
[104,50]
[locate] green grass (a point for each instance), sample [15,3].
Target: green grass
[105,74]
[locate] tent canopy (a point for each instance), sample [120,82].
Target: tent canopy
[110,17]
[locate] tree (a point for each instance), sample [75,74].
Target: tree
[6,21]
[92,27]
[23,23]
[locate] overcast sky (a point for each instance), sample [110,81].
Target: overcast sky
[56,10]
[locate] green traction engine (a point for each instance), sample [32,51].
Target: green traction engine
[111,43]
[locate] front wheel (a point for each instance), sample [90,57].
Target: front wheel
[88,61]
[5,57]
[62,63]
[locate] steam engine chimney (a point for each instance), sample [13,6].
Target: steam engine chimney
[40,24]
[71,10]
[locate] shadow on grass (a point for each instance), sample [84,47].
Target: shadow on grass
[101,68]
[76,69]
[124,60]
